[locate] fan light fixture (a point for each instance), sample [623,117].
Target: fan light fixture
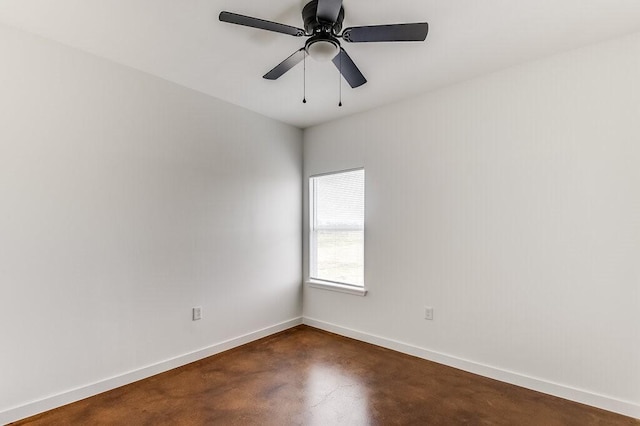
[322,50]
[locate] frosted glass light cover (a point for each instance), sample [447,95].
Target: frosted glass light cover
[322,50]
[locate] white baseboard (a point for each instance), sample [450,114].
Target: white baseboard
[73,395]
[600,401]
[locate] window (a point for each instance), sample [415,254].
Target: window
[336,252]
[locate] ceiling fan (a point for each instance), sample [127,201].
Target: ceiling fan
[322,25]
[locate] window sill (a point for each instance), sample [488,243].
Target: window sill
[342,288]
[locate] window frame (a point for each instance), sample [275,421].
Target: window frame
[353,289]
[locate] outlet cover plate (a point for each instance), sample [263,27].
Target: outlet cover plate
[428,313]
[197,313]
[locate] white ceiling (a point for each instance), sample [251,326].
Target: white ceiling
[183,41]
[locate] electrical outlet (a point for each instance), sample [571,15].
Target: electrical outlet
[197,313]
[428,313]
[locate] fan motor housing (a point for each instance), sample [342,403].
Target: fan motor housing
[313,26]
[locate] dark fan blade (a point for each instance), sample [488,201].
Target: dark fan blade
[285,65]
[328,10]
[349,70]
[248,21]
[398,32]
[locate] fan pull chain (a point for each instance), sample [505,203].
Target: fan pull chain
[304,77]
[340,81]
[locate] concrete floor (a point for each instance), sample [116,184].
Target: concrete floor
[305,376]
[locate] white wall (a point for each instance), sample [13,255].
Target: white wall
[511,204]
[125,201]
